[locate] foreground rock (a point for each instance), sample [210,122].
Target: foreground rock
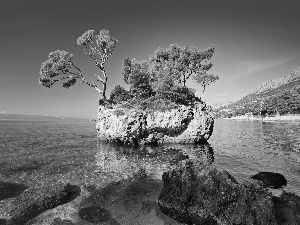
[287,208]
[34,201]
[270,179]
[194,193]
[181,125]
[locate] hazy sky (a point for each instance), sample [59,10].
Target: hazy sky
[255,41]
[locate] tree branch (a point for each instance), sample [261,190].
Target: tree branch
[93,85]
[190,73]
[99,78]
[97,63]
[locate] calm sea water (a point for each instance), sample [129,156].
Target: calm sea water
[36,153]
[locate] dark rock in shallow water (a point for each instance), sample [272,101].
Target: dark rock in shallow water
[94,214]
[287,208]
[10,190]
[195,193]
[270,179]
[34,201]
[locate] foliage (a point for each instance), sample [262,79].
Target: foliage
[182,62]
[59,62]
[150,104]
[204,79]
[137,75]
[163,86]
[118,112]
[59,65]
[177,94]
[119,94]
[101,44]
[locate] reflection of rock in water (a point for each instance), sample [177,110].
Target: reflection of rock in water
[120,162]
[199,152]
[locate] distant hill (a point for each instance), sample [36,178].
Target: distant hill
[278,96]
[22,117]
[218,104]
[276,83]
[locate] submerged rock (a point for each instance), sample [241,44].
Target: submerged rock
[196,193]
[59,221]
[34,201]
[270,179]
[10,190]
[94,214]
[185,124]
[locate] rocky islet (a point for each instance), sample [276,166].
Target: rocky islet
[185,124]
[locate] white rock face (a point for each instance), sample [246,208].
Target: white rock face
[181,125]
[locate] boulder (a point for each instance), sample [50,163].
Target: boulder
[287,208]
[270,179]
[34,201]
[185,124]
[197,193]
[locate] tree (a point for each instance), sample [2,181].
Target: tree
[119,94]
[59,66]
[183,62]
[204,79]
[137,75]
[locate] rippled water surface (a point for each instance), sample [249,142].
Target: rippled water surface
[247,147]
[36,153]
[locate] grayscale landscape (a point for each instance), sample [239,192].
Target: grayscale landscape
[149,112]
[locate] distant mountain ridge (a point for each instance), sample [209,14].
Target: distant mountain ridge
[275,83]
[220,103]
[25,117]
[278,96]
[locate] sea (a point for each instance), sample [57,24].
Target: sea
[36,153]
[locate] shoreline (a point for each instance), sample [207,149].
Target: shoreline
[267,119]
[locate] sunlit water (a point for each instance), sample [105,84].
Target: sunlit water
[37,153]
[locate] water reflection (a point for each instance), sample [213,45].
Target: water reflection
[132,179]
[115,161]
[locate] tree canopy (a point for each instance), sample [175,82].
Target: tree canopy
[60,67]
[137,75]
[183,62]
[164,83]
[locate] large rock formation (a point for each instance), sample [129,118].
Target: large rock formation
[185,124]
[197,193]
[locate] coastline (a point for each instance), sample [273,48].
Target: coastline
[285,118]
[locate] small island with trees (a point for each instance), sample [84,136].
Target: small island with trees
[158,107]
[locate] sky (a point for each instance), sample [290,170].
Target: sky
[255,41]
